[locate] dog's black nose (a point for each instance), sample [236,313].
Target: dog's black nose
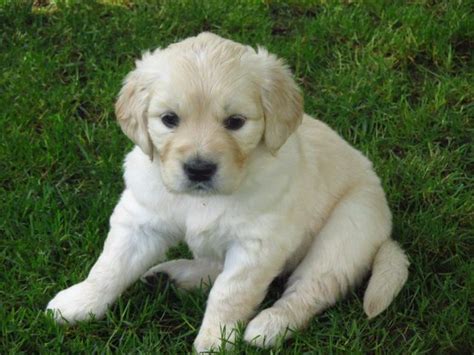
[199,170]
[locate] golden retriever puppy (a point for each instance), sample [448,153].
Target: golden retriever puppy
[227,161]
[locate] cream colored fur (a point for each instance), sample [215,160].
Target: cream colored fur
[289,195]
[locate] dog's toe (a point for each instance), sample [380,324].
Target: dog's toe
[267,328]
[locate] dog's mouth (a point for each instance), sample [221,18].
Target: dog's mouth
[201,187]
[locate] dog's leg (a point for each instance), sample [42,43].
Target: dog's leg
[248,270]
[133,244]
[186,274]
[340,256]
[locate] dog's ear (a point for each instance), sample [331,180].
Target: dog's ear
[131,108]
[281,99]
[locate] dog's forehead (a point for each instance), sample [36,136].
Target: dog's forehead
[199,74]
[208,57]
[211,45]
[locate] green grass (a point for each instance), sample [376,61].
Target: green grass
[397,81]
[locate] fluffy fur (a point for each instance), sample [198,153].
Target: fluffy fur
[289,195]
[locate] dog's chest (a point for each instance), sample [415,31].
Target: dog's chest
[205,231]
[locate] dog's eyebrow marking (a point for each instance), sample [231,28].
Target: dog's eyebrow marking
[230,109]
[159,107]
[227,109]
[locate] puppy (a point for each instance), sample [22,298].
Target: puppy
[226,160]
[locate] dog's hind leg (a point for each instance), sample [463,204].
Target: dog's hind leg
[186,274]
[339,257]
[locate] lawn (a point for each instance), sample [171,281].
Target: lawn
[397,81]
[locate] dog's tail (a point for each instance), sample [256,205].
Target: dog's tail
[389,274]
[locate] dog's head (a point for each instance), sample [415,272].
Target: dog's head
[202,106]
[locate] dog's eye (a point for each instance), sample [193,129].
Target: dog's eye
[170,119]
[234,122]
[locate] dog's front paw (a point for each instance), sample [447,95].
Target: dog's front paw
[215,338]
[267,328]
[206,343]
[79,302]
